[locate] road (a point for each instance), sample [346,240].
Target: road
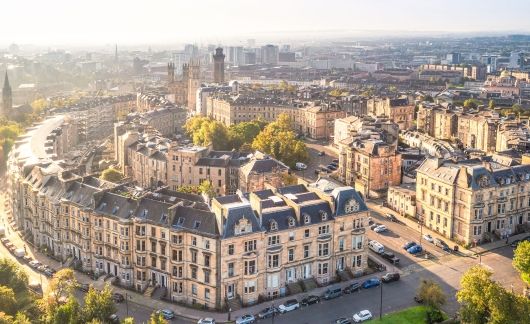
[313,148]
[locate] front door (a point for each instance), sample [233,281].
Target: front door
[230,291]
[340,264]
[290,275]
[489,227]
[153,279]
[307,271]
[108,268]
[115,270]
[163,281]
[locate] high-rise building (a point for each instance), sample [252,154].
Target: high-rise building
[235,55]
[7,97]
[269,54]
[194,82]
[219,66]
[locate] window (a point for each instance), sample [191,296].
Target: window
[307,219]
[250,287]
[358,259]
[207,245]
[250,267]
[306,250]
[306,233]
[358,223]
[250,245]
[193,241]
[291,255]
[206,260]
[193,272]
[357,242]
[323,268]
[193,256]
[206,276]
[291,222]
[274,240]
[323,249]
[291,236]
[176,239]
[231,249]
[231,269]
[207,294]
[194,289]
[273,225]
[501,208]
[274,260]
[323,229]
[478,213]
[477,230]
[445,222]
[341,244]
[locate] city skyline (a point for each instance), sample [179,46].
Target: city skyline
[162,21]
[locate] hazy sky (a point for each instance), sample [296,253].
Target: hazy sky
[157,21]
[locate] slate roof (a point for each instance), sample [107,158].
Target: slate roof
[294,189]
[280,215]
[228,199]
[194,220]
[342,195]
[116,205]
[153,210]
[233,216]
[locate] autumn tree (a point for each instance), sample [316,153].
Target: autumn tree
[98,305]
[61,286]
[491,104]
[434,297]
[471,103]
[112,175]
[7,300]
[13,276]
[68,312]
[243,133]
[205,131]
[521,260]
[157,319]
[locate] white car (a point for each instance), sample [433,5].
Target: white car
[300,166]
[245,319]
[428,238]
[290,305]
[362,316]
[380,228]
[207,320]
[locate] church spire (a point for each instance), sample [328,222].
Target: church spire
[7,86]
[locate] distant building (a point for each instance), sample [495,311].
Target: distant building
[219,66]
[7,98]
[269,54]
[399,110]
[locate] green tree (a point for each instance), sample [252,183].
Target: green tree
[21,318]
[5,319]
[491,104]
[157,319]
[475,294]
[471,103]
[128,320]
[431,293]
[61,286]
[206,188]
[13,276]
[67,313]
[517,109]
[7,300]
[521,260]
[112,175]
[98,305]
[243,133]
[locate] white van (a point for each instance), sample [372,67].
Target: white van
[19,253]
[376,247]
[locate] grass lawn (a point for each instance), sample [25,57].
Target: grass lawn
[412,315]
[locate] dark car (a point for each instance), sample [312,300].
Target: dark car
[389,277]
[336,161]
[390,257]
[267,312]
[310,300]
[352,287]
[332,167]
[321,153]
[342,320]
[373,282]
[408,245]
[515,243]
[391,218]
[117,297]
[441,244]
[418,299]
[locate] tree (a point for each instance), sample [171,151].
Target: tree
[517,109]
[491,104]
[431,293]
[157,319]
[521,260]
[13,276]
[21,318]
[128,320]
[7,300]
[471,103]
[243,133]
[5,319]
[61,286]
[206,188]
[98,305]
[68,313]
[112,175]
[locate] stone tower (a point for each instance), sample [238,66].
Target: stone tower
[194,81]
[7,98]
[170,73]
[219,66]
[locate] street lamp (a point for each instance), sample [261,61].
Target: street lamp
[421,228]
[381,302]
[127,303]
[273,312]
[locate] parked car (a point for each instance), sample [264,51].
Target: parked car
[267,312]
[4,240]
[19,253]
[415,249]
[390,257]
[391,217]
[321,153]
[289,305]
[114,319]
[362,316]
[331,167]
[376,246]
[380,229]
[336,161]
[27,258]
[428,238]
[300,166]
[42,268]
[408,245]
[441,244]
[317,171]
[515,243]
[166,313]
[352,287]
[35,264]
[372,282]
[389,277]
[310,300]
[342,320]
[335,164]
[49,272]
[207,320]
[374,225]
[245,319]
[117,297]
[332,292]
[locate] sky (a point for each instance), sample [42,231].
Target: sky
[78,22]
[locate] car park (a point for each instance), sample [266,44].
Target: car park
[415,249]
[372,282]
[342,320]
[288,306]
[428,238]
[332,292]
[389,277]
[380,229]
[207,320]
[362,316]
[352,287]
[117,297]
[376,246]
[310,300]
[166,313]
[245,319]
[390,257]
[267,312]
[408,245]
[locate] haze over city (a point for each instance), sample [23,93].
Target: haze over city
[242,162]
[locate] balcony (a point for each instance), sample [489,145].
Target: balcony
[324,237]
[358,231]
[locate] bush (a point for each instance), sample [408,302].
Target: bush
[434,316]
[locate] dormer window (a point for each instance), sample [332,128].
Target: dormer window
[273,225]
[307,219]
[243,226]
[323,215]
[291,222]
[351,206]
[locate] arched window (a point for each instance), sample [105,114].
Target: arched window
[291,222]
[273,225]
